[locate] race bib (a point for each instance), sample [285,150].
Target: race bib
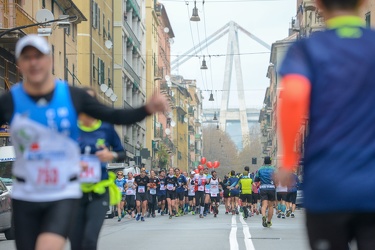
[141,189]
[214,195]
[191,192]
[170,187]
[47,176]
[93,173]
[162,187]
[130,191]
[153,191]
[200,188]
[207,190]
[120,189]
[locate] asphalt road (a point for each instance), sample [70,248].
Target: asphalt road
[191,232]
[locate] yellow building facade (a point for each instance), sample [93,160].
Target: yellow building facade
[95,46]
[152,24]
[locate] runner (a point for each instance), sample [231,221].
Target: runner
[226,196]
[130,191]
[281,195]
[95,140]
[120,183]
[45,201]
[256,198]
[186,194]
[141,182]
[171,184]
[292,195]
[214,182]
[245,185]
[200,182]
[234,192]
[265,175]
[152,186]
[207,197]
[161,193]
[338,101]
[191,192]
[180,192]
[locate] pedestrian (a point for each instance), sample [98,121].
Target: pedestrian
[42,112]
[120,182]
[328,79]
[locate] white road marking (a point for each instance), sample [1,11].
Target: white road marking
[246,231]
[233,235]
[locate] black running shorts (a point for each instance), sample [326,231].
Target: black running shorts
[246,198]
[141,197]
[33,218]
[255,198]
[171,195]
[281,196]
[291,197]
[161,198]
[180,196]
[335,230]
[267,194]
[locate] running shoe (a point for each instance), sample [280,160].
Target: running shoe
[159,210]
[215,215]
[201,216]
[123,214]
[162,213]
[177,215]
[142,218]
[237,212]
[119,219]
[153,215]
[226,212]
[288,213]
[264,221]
[204,214]
[292,215]
[148,215]
[283,216]
[193,212]
[269,223]
[170,216]
[138,217]
[279,215]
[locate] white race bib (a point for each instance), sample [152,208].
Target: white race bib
[153,191]
[130,191]
[162,187]
[141,189]
[93,173]
[214,195]
[207,190]
[200,188]
[191,192]
[170,187]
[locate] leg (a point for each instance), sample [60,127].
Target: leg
[144,207]
[138,205]
[364,228]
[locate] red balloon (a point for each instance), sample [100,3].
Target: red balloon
[196,171]
[209,164]
[200,167]
[203,160]
[216,164]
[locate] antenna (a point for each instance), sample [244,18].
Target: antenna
[44,15]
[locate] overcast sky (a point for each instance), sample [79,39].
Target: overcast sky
[267,19]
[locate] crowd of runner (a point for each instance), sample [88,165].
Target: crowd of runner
[201,191]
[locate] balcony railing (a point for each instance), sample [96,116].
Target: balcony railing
[169,144]
[131,71]
[198,137]
[15,16]
[130,148]
[127,105]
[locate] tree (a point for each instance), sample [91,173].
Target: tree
[253,149]
[163,156]
[218,146]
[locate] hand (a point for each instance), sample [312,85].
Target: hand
[84,166]
[157,103]
[283,177]
[104,155]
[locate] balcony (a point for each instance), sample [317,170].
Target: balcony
[133,37]
[191,129]
[169,144]
[130,148]
[158,133]
[309,5]
[14,16]
[198,152]
[133,74]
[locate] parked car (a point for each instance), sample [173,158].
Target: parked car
[6,226]
[8,183]
[299,200]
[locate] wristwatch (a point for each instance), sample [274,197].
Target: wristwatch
[115,155]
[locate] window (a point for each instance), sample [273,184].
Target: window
[368,19]
[52,6]
[95,10]
[109,29]
[66,69]
[99,21]
[93,66]
[67,30]
[73,31]
[104,31]
[43,4]
[109,77]
[101,73]
[53,59]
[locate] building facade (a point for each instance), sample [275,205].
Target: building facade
[129,70]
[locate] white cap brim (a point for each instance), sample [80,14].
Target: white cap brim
[35,41]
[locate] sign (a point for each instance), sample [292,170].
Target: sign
[7,154]
[4,131]
[4,134]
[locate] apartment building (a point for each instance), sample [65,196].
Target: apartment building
[129,69]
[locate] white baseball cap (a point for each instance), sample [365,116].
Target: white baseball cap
[192,172]
[35,41]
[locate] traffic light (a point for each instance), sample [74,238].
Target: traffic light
[254,160]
